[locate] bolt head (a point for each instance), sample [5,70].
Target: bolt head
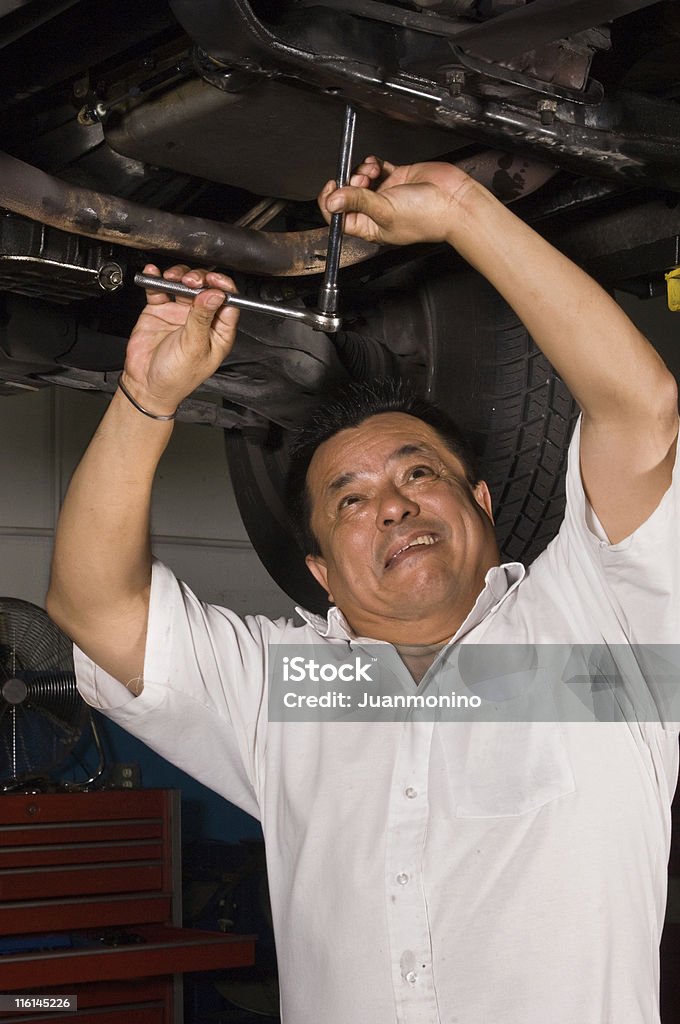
[455,80]
[110,277]
[547,109]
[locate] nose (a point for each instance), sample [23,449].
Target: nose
[394,507]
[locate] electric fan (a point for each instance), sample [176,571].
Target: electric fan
[42,715]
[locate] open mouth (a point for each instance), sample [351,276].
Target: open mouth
[422,540]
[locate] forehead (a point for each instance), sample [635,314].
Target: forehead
[368,447]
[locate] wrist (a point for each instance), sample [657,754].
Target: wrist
[472,204]
[145,403]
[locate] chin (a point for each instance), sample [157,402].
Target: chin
[426,588]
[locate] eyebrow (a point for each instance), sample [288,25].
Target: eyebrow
[407,449]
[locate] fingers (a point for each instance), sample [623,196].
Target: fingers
[358,181]
[373,168]
[207,322]
[209,309]
[370,172]
[193,277]
[198,277]
[325,192]
[155,298]
[179,272]
[211,323]
[355,200]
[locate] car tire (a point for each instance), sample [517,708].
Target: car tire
[492,378]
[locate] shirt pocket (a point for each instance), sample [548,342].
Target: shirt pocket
[503,769]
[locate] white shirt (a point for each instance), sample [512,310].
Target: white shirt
[448,873]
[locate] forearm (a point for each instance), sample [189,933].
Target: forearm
[610,368]
[102,560]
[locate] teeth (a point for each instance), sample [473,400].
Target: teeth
[426,539]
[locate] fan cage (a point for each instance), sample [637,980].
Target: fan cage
[42,715]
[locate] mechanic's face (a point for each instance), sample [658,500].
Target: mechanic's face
[404,537]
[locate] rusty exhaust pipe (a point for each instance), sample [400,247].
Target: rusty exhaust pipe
[28,191]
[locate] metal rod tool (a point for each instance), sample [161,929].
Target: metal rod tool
[313,318]
[328,292]
[325,317]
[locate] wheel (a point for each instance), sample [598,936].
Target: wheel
[464,348]
[498,385]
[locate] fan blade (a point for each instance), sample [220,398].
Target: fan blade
[543,21]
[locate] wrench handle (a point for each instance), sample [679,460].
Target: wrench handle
[160,284]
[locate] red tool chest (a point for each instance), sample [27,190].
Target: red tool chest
[90,884]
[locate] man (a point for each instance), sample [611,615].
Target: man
[471,872]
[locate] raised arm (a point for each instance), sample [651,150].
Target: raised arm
[628,396]
[101,569]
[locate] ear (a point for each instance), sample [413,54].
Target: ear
[319,571]
[483,497]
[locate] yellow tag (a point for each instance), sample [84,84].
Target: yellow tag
[673,289]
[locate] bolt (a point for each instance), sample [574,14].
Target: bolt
[110,276]
[455,80]
[547,110]
[87,117]
[80,89]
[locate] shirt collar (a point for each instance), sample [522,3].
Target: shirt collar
[498,583]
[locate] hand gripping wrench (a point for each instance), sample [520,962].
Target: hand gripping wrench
[325,316]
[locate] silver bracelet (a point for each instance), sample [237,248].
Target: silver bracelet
[140,408]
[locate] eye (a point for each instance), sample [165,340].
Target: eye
[349,499]
[419,472]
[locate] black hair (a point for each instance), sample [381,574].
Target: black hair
[348,408]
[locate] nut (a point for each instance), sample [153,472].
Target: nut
[455,80]
[110,276]
[547,110]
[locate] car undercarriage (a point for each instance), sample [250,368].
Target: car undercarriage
[200,131]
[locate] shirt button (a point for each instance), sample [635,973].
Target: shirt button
[411,793]
[402,878]
[411,977]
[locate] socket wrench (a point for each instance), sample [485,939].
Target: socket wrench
[313,318]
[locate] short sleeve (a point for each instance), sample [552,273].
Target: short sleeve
[623,604]
[642,572]
[203,706]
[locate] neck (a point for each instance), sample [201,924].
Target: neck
[419,657]
[411,629]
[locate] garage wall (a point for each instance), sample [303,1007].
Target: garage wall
[195,522]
